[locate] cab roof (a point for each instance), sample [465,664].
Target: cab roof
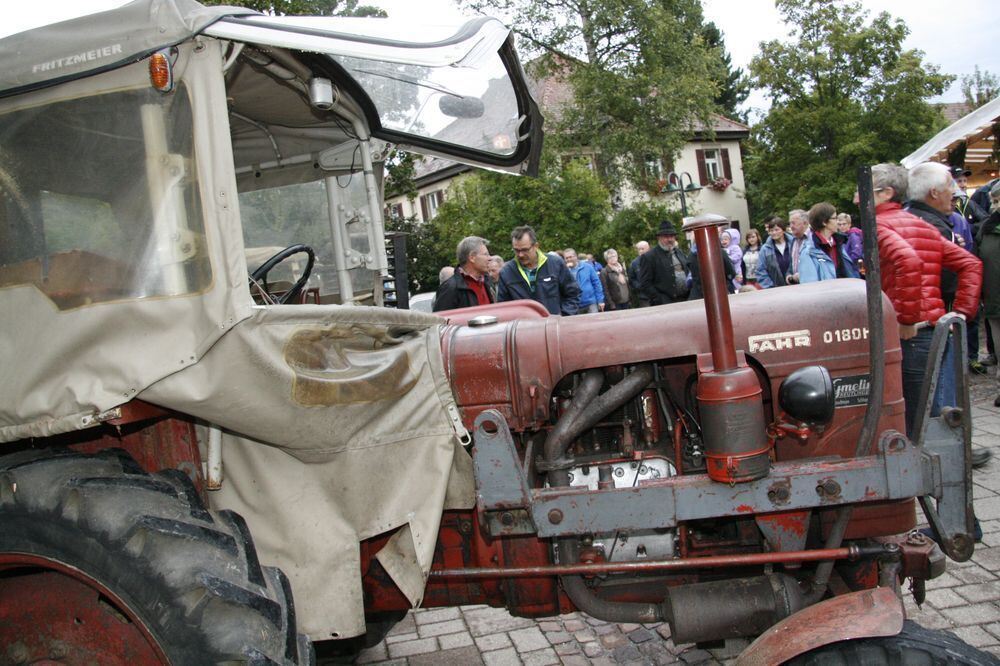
[98,42]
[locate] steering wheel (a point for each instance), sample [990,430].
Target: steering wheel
[260,275]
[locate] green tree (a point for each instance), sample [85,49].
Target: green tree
[843,92]
[633,223]
[641,74]
[734,86]
[980,87]
[400,169]
[304,7]
[566,204]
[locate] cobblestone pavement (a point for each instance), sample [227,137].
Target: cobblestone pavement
[965,600]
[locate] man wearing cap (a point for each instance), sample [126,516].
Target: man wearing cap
[966,219]
[964,205]
[537,276]
[663,270]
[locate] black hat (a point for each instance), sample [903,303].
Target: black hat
[666,229]
[957,171]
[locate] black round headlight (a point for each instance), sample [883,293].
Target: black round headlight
[807,395]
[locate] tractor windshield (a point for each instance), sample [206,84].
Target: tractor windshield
[454,91]
[474,108]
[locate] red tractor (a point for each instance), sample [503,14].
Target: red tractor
[186,451]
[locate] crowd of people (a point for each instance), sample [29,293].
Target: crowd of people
[938,246]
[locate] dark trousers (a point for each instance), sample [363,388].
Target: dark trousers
[915,353]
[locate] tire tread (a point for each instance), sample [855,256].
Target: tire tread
[157,531]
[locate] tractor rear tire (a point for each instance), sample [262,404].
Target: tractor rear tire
[102,561]
[913,646]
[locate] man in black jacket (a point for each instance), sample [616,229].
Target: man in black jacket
[930,189]
[930,186]
[470,285]
[641,248]
[663,270]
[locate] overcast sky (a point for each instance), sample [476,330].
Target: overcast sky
[956,42]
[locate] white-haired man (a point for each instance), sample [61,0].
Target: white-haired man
[641,248]
[798,225]
[930,189]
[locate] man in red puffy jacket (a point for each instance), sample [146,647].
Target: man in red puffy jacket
[912,254]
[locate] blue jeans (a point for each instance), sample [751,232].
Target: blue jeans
[915,352]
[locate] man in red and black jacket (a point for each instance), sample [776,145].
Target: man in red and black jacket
[470,285]
[912,254]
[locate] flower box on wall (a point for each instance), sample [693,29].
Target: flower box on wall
[719,184]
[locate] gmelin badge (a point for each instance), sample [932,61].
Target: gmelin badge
[850,391]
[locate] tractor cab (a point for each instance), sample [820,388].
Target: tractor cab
[165,168]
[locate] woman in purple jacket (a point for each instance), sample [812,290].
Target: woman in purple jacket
[854,245]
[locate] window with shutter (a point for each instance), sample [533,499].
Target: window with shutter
[702,171]
[713,164]
[429,204]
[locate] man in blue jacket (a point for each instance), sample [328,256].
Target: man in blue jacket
[591,290]
[538,276]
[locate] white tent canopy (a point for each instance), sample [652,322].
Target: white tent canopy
[976,129]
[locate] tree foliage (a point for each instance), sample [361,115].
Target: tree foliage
[567,205]
[843,93]
[734,85]
[401,171]
[304,7]
[980,87]
[641,73]
[634,223]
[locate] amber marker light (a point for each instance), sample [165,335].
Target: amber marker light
[161,73]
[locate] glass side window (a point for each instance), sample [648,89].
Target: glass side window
[469,107]
[99,199]
[278,217]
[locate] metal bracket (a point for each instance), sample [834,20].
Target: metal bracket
[949,510]
[947,439]
[501,484]
[786,530]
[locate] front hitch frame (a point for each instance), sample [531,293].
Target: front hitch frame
[948,438]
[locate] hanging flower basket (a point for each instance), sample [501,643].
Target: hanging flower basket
[720,184]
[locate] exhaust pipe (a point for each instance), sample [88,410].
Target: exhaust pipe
[730,399]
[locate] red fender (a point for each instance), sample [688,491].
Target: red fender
[864,614]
